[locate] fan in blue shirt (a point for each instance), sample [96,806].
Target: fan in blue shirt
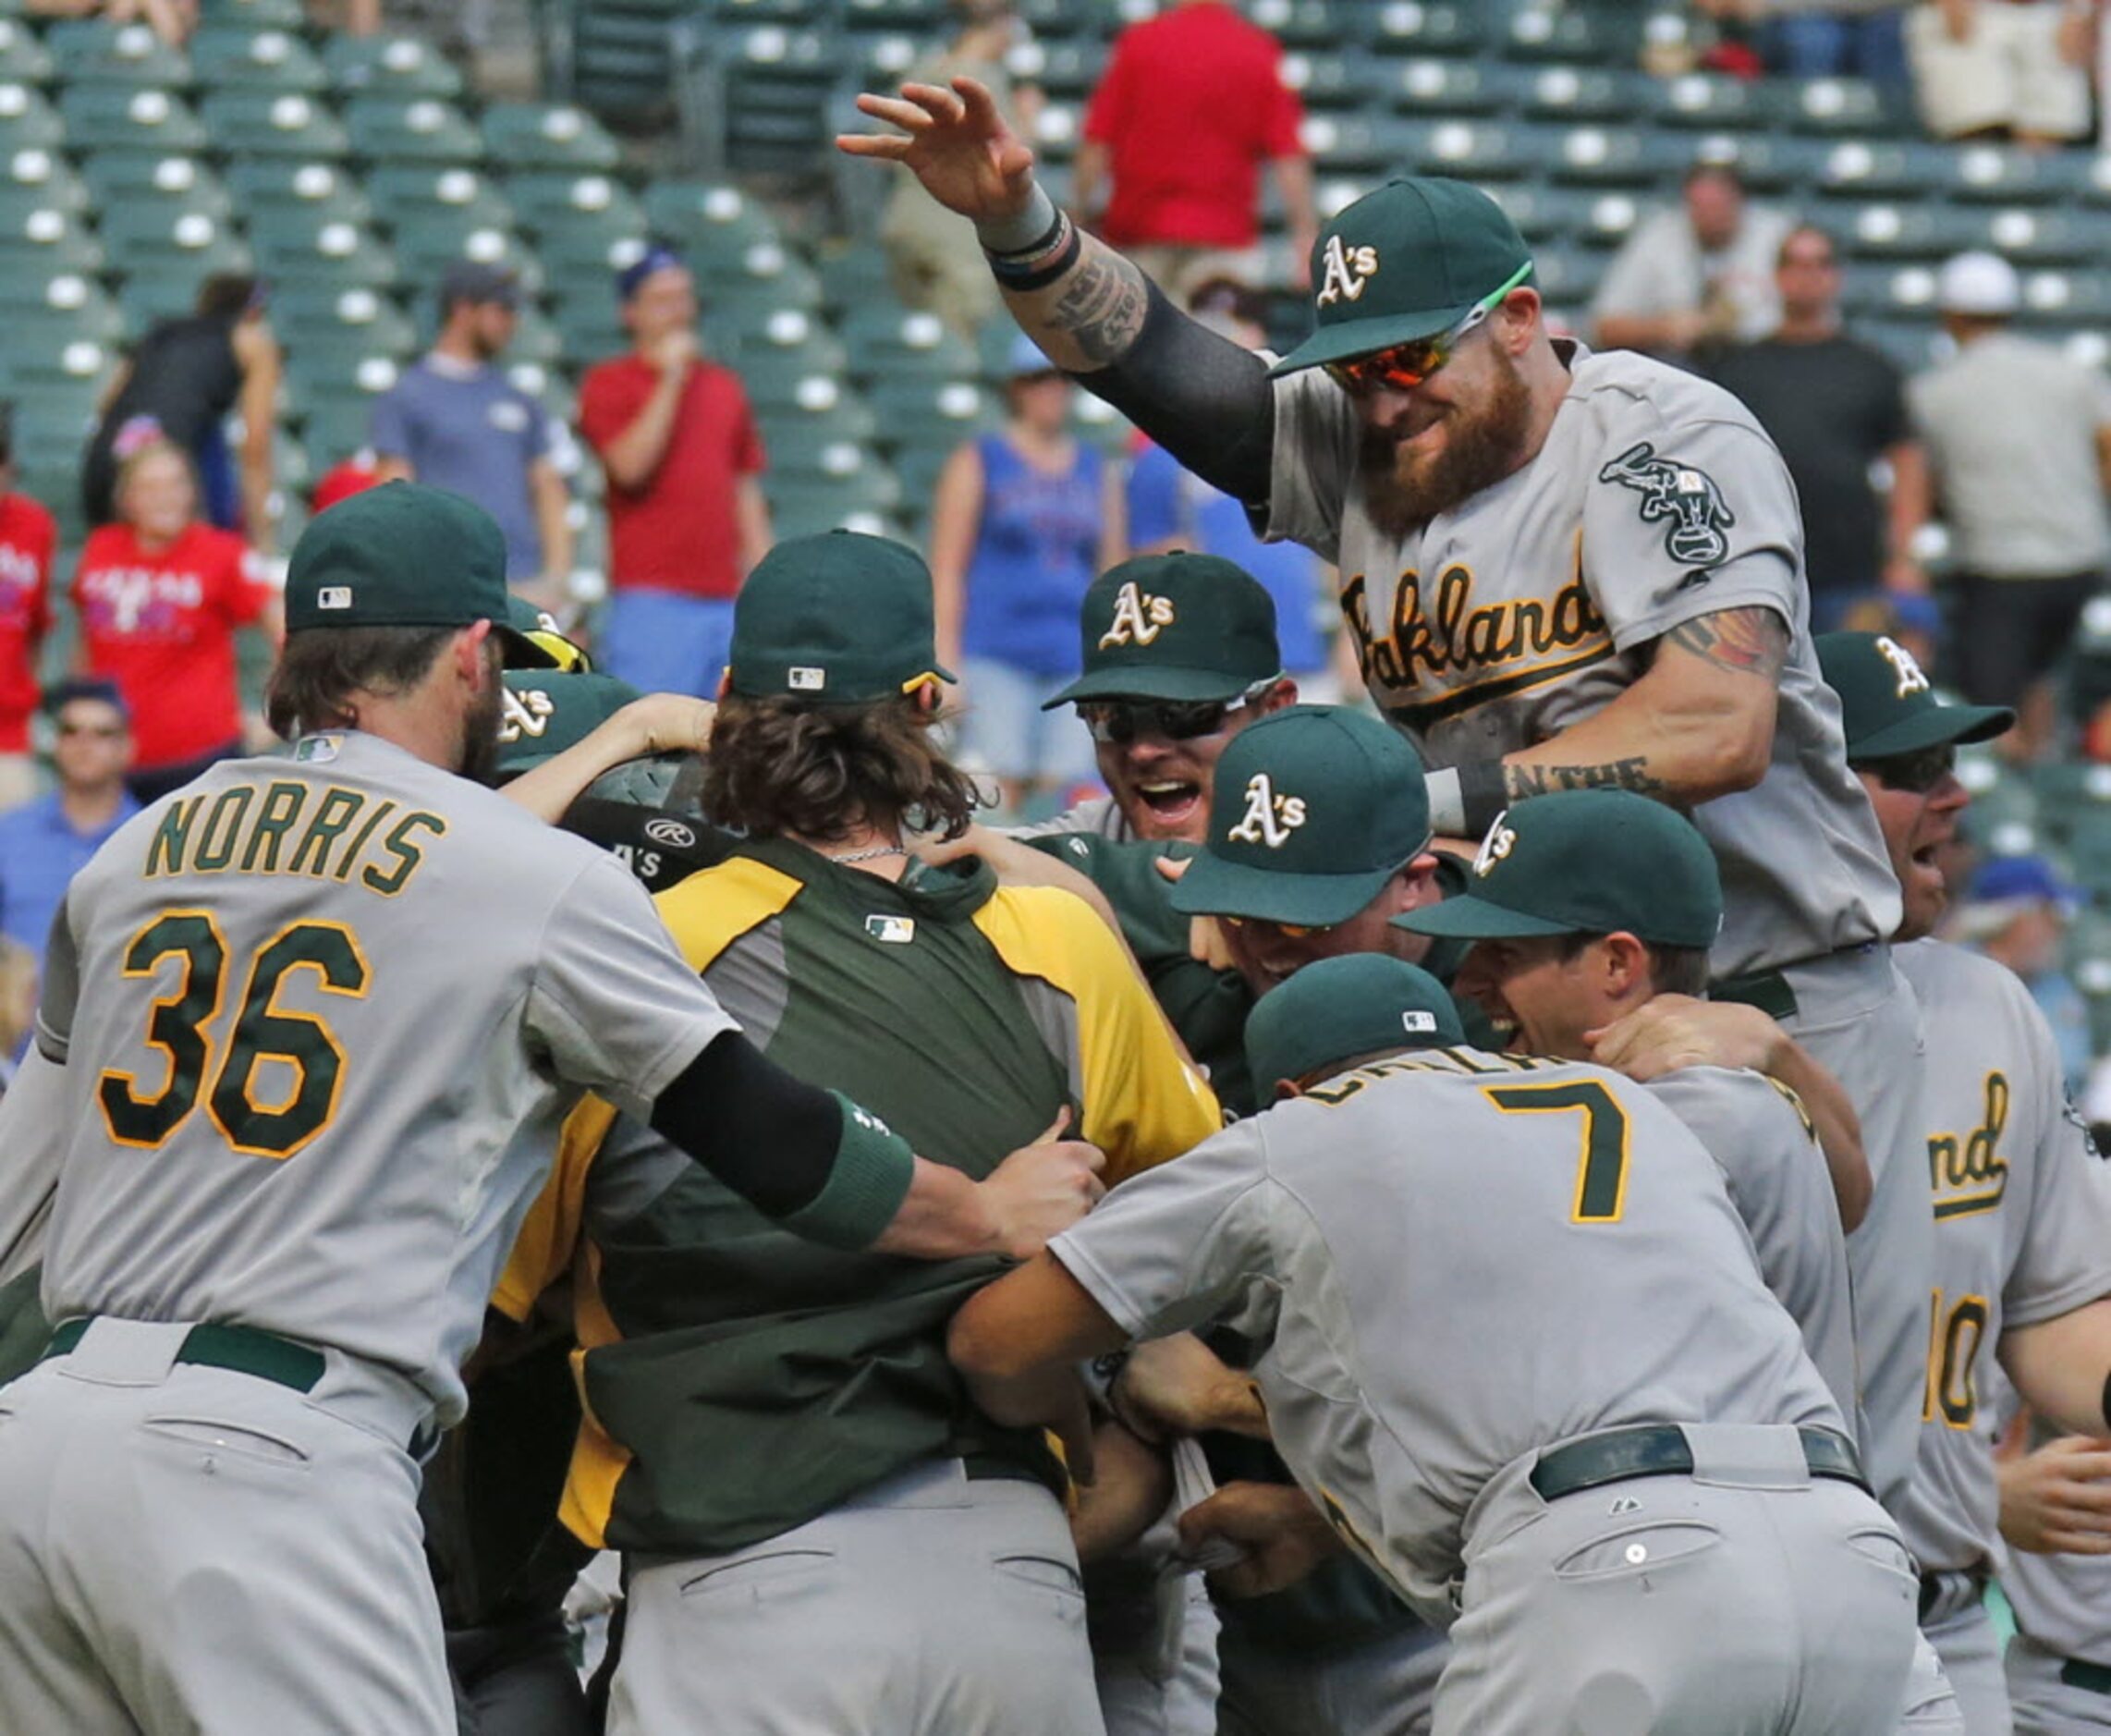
[48,840]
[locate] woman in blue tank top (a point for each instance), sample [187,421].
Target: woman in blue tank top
[1024,518]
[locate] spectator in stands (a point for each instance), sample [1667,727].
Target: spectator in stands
[182,380]
[453,420]
[1169,507]
[2018,444]
[160,596]
[2017,914]
[686,518]
[48,841]
[172,20]
[1836,408]
[1699,276]
[1023,520]
[933,257]
[1824,38]
[2003,69]
[353,474]
[27,539]
[1191,104]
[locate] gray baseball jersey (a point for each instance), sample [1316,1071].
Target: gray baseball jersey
[1454,1258]
[1656,498]
[2022,1210]
[2062,1602]
[1778,1181]
[331,1014]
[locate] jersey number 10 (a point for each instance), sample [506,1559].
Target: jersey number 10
[261,1031]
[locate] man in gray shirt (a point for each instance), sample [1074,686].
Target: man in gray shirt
[2019,443]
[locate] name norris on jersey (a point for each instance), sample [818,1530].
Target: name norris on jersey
[293,828]
[1455,635]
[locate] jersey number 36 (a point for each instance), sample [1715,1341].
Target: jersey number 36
[312,1063]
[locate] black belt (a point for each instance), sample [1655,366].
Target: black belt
[1961,1587]
[2078,1672]
[1660,1449]
[244,1349]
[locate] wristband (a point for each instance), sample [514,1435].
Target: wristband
[1021,275]
[870,1177]
[1027,231]
[1465,800]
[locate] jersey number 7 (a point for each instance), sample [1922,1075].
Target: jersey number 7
[262,1031]
[1602,1170]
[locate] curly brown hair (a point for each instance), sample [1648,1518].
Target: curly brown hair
[779,765]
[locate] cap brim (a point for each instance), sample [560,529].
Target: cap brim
[1469,917]
[1933,728]
[1213,887]
[517,651]
[1158,682]
[1344,339]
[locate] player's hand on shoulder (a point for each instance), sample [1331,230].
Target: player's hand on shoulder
[2057,1500]
[664,723]
[955,141]
[1041,1189]
[1676,1031]
[1178,1386]
[1282,1532]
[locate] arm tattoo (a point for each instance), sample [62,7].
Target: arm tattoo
[1745,642]
[1102,307]
[1525,781]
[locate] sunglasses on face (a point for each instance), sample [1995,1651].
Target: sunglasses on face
[1120,721]
[1915,773]
[1406,366]
[1289,931]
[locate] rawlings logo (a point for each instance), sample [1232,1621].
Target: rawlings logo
[1688,498]
[1911,679]
[670,832]
[1501,841]
[1344,270]
[1139,618]
[1269,819]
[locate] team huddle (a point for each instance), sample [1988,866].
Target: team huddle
[1494,1219]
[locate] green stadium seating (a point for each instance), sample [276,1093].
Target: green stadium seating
[96,51]
[335,427]
[1487,150]
[548,203]
[885,343]
[1571,34]
[936,409]
[329,316]
[1767,164]
[1889,230]
[616,58]
[297,246]
[2042,237]
[24,59]
[825,403]
[315,372]
[256,14]
[268,123]
[386,128]
[325,191]
[123,175]
[924,19]
[547,136]
[389,65]
[854,277]
[156,251]
[1410,27]
[98,117]
[2003,175]
[1430,84]
[404,192]
[27,121]
[234,56]
[40,244]
[707,218]
[1708,103]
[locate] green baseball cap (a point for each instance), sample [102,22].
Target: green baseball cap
[1888,706]
[1585,862]
[1313,810]
[1336,1010]
[835,619]
[1408,261]
[546,711]
[538,642]
[1178,627]
[402,555]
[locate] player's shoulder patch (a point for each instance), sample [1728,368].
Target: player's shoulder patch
[1684,498]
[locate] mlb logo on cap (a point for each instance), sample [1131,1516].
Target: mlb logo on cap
[806,679]
[334,597]
[1416,1023]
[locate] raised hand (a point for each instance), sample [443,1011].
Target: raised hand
[953,141]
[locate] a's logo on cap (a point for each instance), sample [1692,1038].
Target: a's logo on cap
[334,597]
[1270,819]
[523,714]
[1139,618]
[1911,679]
[1343,271]
[1415,1021]
[1501,841]
[806,678]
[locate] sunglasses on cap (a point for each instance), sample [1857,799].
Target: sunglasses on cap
[1120,721]
[1914,774]
[1404,366]
[1289,931]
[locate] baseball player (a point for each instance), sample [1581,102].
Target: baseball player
[311,1027]
[1562,570]
[2055,1517]
[756,1404]
[2021,1203]
[1623,1524]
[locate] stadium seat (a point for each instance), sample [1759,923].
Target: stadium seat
[1889,290]
[27,121]
[2065,299]
[782,381]
[1767,164]
[1586,93]
[324,371]
[1864,167]
[940,409]
[1847,108]
[2004,175]
[322,190]
[1068,71]
[149,243]
[707,217]
[914,18]
[547,136]
[142,117]
[329,316]
[266,123]
[1432,85]
[233,58]
[394,65]
[425,248]
[810,507]
[2042,237]
[885,343]
[825,401]
[295,245]
[1373,143]
[410,192]
[1885,229]
[1540,30]
[55,182]
[285,15]
[95,51]
[387,128]
[1708,101]
[1412,26]
[1483,150]
[43,243]
[1326,24]
[1541,213]
[65,308]
[24,59]
[546,202]
[855,276]
[1613,156]
[332,428]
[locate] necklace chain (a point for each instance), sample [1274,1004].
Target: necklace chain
[867,855]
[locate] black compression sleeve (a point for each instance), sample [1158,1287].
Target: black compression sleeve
[812,1160]
[1200,396]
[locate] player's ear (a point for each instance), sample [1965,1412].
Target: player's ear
[1285,1089]
[1626,964]
[1518,319]
[725,684]
[470,654]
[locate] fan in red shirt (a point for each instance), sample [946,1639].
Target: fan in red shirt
[685,514]
[160,596]
[27,538]
[1191,104]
